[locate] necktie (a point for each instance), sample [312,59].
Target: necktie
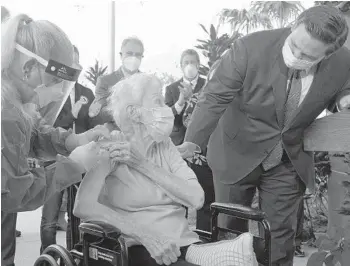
[293,98]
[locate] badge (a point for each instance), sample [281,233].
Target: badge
[84,100]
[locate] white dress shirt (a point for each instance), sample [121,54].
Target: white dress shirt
[307,77]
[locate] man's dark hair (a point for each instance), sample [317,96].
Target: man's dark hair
[326,24]
[189,52]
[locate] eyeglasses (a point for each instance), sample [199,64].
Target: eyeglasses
[129,53]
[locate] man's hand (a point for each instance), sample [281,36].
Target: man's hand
[186,90]
[94,109]
[185,93]
[344,103]
[162,249]
[188,149]
[77,106]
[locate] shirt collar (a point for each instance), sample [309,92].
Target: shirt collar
[194,81]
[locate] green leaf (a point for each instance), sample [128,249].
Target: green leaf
[213,35]
[317,258]
[204,28]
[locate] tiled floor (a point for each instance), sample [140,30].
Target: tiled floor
[28,244]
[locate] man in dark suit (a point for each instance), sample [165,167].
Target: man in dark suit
[182,96]
[262,95]
[178,93]
[74,115]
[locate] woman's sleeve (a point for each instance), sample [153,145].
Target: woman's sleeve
[177,164]
[24,189]
[49,141]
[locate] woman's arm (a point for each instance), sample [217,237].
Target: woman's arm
[180,184]
[88,207]
[24,189]
[48,141]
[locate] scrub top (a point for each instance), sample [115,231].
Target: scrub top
[23,188]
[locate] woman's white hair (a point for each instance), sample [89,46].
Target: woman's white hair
[129,92]
[41,37]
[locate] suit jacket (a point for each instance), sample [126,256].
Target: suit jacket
[241,108]
[83,122]
[172,94]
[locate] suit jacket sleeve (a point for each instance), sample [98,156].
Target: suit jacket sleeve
[101,90]
[345,91]
[169,99]
[88,119]
[65,119]
[225,81]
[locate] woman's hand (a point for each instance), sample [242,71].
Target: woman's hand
[96,133]
[75,140]
[121,150]
[162,249]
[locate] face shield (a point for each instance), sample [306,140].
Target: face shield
[52,97]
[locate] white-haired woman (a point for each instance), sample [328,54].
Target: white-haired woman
[30,86]
[142,185]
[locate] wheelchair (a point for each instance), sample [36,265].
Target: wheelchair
[102,244]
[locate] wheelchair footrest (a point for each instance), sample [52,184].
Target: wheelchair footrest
[100,229]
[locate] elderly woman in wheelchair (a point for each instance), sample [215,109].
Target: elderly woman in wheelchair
[141,185]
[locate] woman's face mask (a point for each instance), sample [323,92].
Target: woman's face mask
[159,122]
[48,94]
[295,63]
[132,63]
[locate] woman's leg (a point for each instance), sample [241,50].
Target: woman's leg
[49,217]
[238,251]
[8,238]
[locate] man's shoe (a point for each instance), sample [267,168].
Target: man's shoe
[18,233]
[299,252]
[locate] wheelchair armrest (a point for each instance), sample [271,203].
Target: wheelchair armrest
[238,210]
[100,229]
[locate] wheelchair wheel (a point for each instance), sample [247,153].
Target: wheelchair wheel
[61,255]
[45,260]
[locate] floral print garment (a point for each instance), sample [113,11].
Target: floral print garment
[198,158]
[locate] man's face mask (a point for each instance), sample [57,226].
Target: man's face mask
[190,71]
[51,98]
[132,63]
[159,122]
[293,62]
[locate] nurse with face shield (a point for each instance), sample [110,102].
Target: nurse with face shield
[36,78]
